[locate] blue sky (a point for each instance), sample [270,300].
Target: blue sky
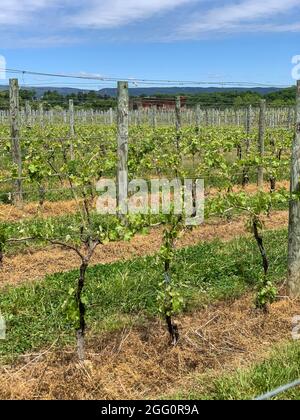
[234,40]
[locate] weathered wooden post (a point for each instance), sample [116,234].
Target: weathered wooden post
[41,114]
[154,116]
[72,119]
[248,127]
[178,113]
[178,120]
[15,139]
[198,117]
[261,141]
[72,127]
[207,122]
[290,118]
[139,116]
[28,114]
[111,116]
[248,144]
[65,117]
[123,133]
[235,117]
[294,216]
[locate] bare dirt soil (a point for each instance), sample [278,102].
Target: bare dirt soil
[139,363]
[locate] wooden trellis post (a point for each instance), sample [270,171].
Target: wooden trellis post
[198,117]
[41,114]
[28,114]
[178,120]
[111,116]
[294,216]
[248,144]
[154,116]
[72,127]
[15,139]
[261,141]
[123,134]
[139,116]
[248,128]
[290,118]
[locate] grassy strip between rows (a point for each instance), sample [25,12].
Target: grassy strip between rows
[281,367]
[117,293]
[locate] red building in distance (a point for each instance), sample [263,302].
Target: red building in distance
[159,103]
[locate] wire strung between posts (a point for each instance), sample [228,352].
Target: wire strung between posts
[65,176]
[138,80]
[278,391]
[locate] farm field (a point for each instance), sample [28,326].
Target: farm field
[221,330]
[149,204]
[213,153]
[230,315]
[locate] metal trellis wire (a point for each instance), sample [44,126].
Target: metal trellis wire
[278,391]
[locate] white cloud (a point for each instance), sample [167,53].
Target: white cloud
[239,16]
[67,21]
[14,12]
[113,13]
[47,41]
[288,27]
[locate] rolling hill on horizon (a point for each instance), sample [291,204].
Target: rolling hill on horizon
[148,91]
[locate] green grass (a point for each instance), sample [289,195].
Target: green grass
[281,367]
[123,290]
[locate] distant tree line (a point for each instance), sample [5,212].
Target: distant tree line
[281,98]
[93,100]
[53,99]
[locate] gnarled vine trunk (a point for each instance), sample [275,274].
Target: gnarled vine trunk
[263,254]
[272,184]
[172,327]
[81,310]
[261,247]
